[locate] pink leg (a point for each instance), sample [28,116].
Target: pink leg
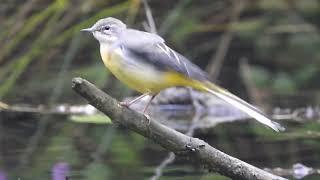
[147,105]
[127,104]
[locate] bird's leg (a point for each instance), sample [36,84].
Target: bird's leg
[127,104]
[146,107]
[148,104]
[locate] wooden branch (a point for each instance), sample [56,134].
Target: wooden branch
[172,140]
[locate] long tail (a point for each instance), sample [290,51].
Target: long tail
[241,104]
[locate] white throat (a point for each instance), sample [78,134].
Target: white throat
[105,46]
[104,38]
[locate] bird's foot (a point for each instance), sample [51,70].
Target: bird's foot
[148,118]
[124,103]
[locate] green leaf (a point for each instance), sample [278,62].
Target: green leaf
[96,119]
[97,171]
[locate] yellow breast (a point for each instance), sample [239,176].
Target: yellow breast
[137,75]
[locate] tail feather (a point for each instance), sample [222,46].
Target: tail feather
[242,105]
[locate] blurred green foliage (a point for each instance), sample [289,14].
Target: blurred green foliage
[41,49]
[96,119]
[279,37]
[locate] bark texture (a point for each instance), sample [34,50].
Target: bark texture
[172,140]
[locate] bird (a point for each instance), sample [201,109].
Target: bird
[144,62]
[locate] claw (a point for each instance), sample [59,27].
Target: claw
[124,103]
[148,118]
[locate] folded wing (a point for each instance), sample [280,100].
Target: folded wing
[151,49]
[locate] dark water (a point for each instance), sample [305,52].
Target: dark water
[35,146]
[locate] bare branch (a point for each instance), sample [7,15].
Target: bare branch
[174,141]
[171,156]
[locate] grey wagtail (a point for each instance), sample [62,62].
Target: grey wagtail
[145,63]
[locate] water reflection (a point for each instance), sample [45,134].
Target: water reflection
[90,149]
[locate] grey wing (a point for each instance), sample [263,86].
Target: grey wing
[135,38]
[151,49]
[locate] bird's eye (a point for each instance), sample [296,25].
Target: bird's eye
[106,28]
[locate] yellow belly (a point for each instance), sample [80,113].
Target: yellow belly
[144,78]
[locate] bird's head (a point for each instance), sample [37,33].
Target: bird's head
[107,30]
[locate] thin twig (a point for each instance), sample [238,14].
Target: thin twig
[171,156]
[173,16]
[214,66]
[151,24]
[43,125]
[246,75]
[168,160]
